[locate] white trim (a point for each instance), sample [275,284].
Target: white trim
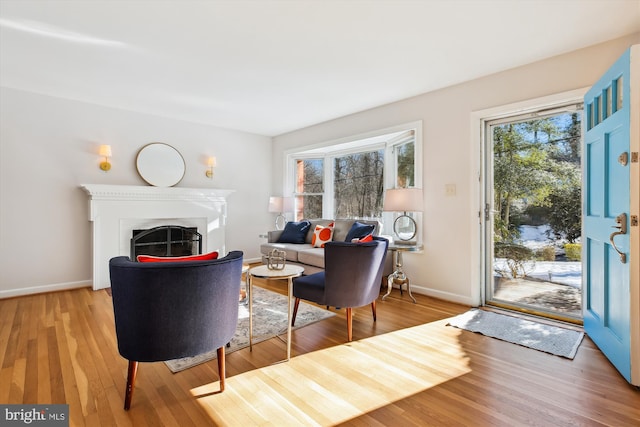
[55,287]
[445,296]
[477,193]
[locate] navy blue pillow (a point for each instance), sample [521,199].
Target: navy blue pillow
[295,232]
[359,230]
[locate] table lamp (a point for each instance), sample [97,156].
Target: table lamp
[404,200]
[280,205]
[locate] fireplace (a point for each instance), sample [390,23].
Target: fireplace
[166,240]
[116,210]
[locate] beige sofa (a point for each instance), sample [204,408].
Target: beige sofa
[304,254]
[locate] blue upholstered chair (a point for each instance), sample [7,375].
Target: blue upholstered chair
[351,278]
[166,311]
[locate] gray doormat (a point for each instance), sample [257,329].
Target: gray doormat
[269,320]
[550,339]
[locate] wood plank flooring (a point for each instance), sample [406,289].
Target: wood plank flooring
[407,368]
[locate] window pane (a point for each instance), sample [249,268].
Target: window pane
[309,176]
[405,160]
[308,206]
[619,92]
[359,185]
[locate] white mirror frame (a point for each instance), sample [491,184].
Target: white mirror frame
[160,164]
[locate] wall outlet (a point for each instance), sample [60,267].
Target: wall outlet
[450,189]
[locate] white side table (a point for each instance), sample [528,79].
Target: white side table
[398,276]
[263,272]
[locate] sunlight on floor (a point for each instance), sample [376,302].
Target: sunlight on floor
[334,385]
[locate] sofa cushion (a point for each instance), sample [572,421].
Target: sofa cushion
[312,256]
[295,232]
[291,249]
[322,235]
[358,231]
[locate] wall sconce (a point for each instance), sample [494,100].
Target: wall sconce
[211,163]
[105,151]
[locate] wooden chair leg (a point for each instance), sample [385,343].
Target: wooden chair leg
[295,311]
[221,367]
[131,382]
[349,324]
[373,309]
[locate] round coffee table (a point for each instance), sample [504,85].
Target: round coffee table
[263,272]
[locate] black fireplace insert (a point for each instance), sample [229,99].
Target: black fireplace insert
[166,240]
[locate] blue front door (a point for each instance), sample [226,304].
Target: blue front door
[606,215]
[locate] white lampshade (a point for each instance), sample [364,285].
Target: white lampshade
[287,204]
[275,204]
[403,200]
[278,204]
[105,151]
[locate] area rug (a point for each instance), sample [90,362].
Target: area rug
[550,339]
[269,320]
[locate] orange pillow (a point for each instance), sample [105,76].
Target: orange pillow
[322,235]
[367,238]
[199,257]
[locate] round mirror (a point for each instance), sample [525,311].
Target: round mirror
[160,164]
[405,227]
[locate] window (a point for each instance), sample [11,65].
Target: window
[358,184]
[309,188]
[347,178]
[404,160]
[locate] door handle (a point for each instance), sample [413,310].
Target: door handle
[621,225]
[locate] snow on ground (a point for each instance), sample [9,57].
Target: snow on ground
[563,272]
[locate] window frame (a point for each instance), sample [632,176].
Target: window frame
[360,143]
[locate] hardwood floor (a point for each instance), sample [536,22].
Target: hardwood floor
[406,369]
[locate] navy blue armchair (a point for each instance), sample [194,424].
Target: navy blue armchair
[351,278]
[169,310]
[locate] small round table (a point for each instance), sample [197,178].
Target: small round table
[263,272]
[245,300]
[398,276]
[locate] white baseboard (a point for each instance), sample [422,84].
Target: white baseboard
[44,288]
[446,296]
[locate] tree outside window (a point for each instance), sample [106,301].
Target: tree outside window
[357,172]
[309,188]
[358,185]
[405,162]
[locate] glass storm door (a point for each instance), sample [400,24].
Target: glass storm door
[532,211]
[609,304]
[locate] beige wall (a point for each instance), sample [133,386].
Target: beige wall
[49,146]
[448,267]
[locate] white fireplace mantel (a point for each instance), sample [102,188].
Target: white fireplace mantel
[116,210]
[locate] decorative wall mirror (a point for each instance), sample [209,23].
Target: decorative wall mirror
[160,164]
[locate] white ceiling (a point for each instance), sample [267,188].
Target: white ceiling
[269,67]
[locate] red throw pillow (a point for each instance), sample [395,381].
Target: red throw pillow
[199,257]
[367,238]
